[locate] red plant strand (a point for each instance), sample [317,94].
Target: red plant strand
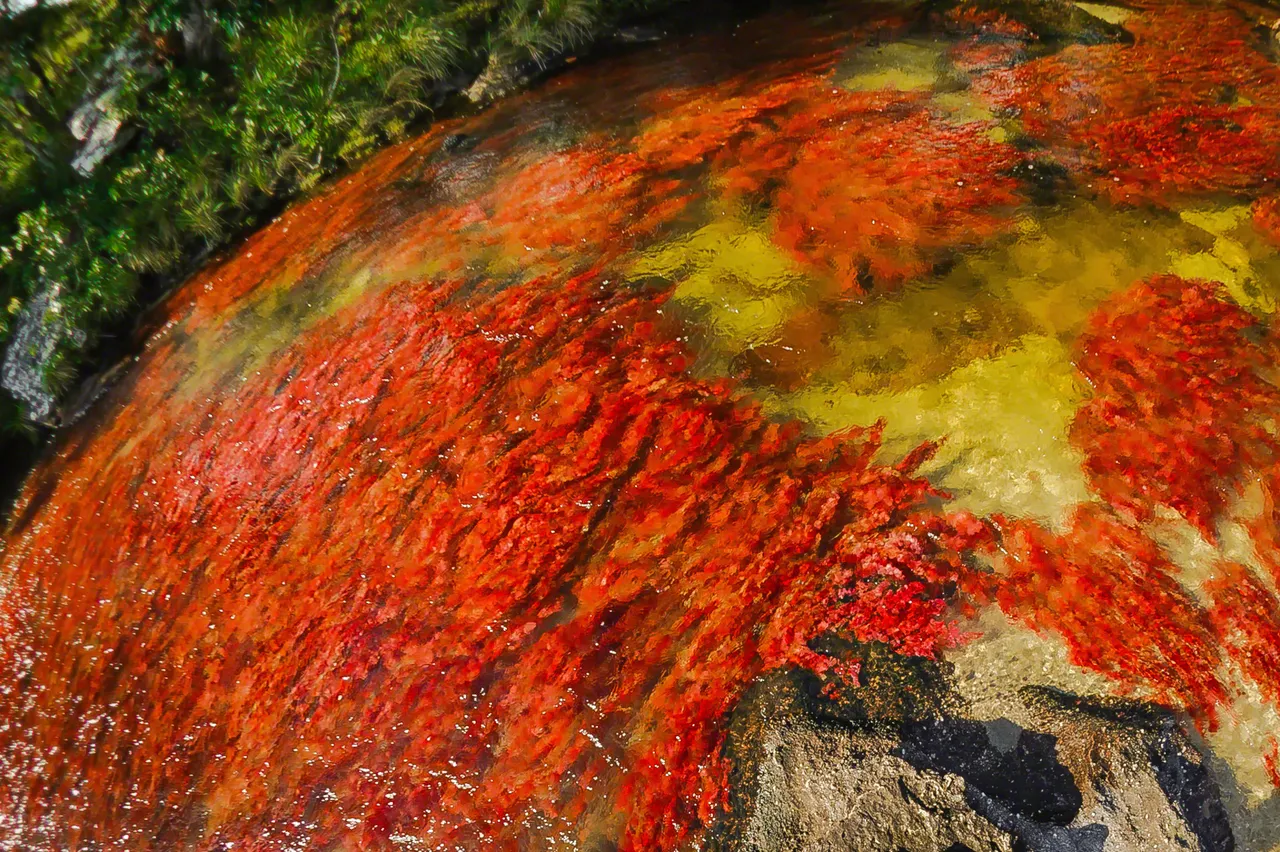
[479,570]
[1111,594]
[1246,615]
[1180,407]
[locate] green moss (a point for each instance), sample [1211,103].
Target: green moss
[277,97]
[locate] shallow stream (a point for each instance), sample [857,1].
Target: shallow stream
[479,501]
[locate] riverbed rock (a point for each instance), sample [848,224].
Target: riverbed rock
[40,330]
[1057,773]
[96,122]
[1055,21]
[502,76]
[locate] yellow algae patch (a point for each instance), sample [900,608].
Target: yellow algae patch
[920,334]
[1004,420]
[963,107]
[904,66]
[1218,221]
[1062,265]
[1110,14]
[1229,261]
[275,316]
[732,279]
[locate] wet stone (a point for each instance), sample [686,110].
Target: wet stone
[1060,773]
[39,333]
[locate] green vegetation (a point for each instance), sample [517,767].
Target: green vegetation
[136,137]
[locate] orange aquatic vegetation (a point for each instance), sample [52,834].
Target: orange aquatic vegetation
[868,187]
[1266,217]
[1246,616]
[1188,108]
[587,201]
[970,19]
[1271,760]
[1265,527]
[1182,402]
[1182,151]
[882,200]
[712,117]
[1111,594]
[472,566]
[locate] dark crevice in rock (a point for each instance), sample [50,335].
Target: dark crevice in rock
[897,763]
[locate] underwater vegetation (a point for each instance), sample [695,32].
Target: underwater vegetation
[462,505]
[1179,410]
[1156,121]
[592,557]
[137,139]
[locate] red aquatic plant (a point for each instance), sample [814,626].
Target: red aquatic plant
[881,200]
[711,118]
[1271,760]
[480,564]
[1182,151]
[1265,526]
[1111,594]
[868,187]
[1181,404]
[476,567]
[1246,616]
[587,200]
[975,20]
[1188,108]
[1266,217]
[988,39]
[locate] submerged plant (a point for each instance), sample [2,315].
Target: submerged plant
[560,560]
[1182,408]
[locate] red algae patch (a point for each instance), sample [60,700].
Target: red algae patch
[1111,593]
[1266,217]
[868,188]
[1188,108]
[1182,406]
[880,201]
[462,568]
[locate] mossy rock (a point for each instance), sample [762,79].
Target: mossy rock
[1054,21]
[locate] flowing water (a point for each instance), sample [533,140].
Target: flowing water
[460,507]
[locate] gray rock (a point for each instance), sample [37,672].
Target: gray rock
[38,334]
[96,121]
[501,77]
[823,788]
[1059,774]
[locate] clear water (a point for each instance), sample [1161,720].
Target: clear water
[459,506]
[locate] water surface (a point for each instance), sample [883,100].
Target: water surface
[461,505]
